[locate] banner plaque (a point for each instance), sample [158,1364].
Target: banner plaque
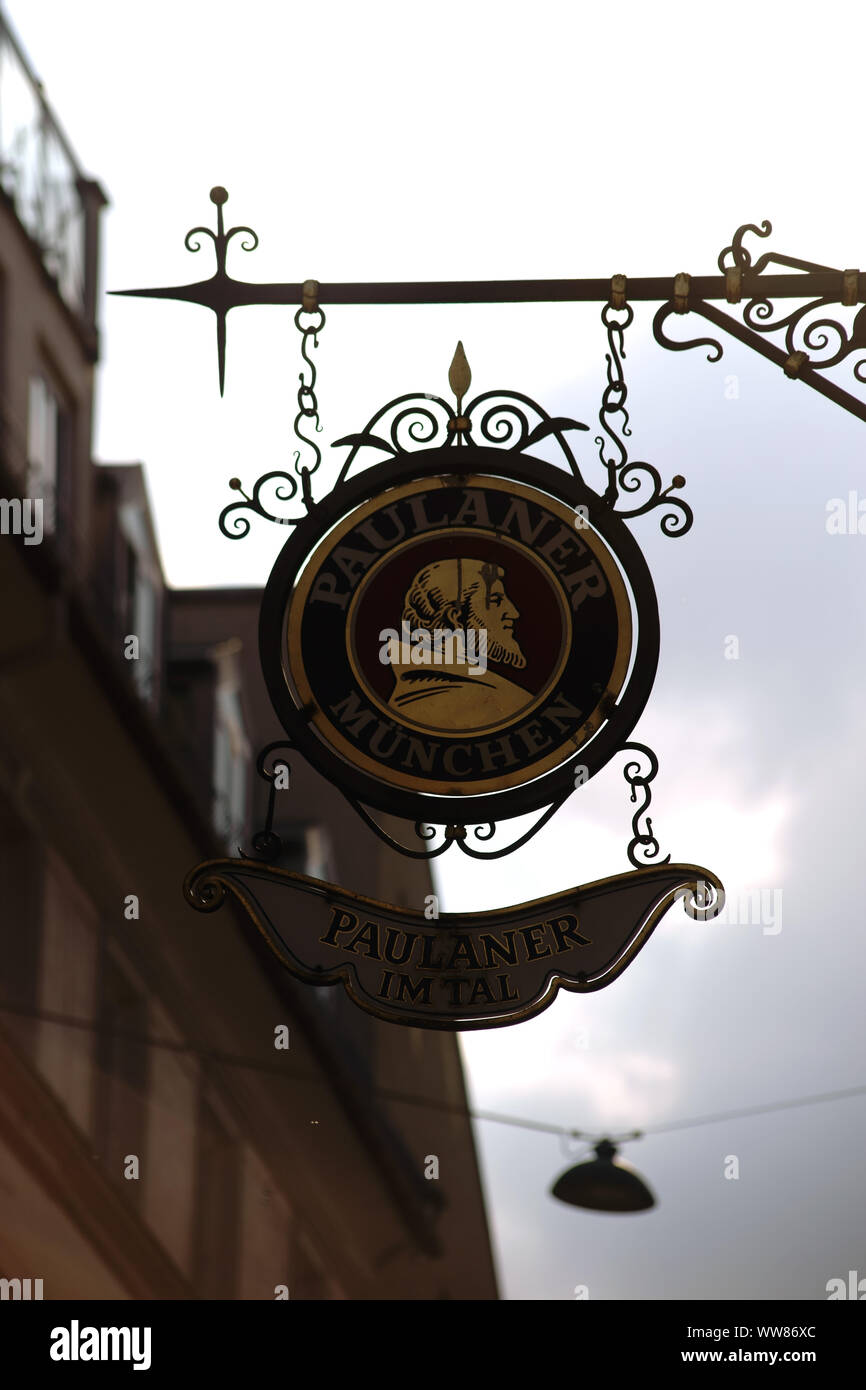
[464,970]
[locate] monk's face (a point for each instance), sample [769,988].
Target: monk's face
[491,608]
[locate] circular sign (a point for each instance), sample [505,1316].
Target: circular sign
[452,645]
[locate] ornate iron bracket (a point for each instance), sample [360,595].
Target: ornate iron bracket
[681,294]
[812,344]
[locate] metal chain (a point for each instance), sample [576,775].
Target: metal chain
[614,396]
[308,405]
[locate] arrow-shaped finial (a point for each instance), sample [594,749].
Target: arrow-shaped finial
[459,376]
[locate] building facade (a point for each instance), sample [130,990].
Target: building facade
[178,1117]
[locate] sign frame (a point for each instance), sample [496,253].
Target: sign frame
[444,462]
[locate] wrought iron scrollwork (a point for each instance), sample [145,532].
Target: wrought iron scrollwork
[267,844]
[454,833]
[421,831]
[486,832]
[233,522]
[622,475]
[705,901]
[678,344]
[220,240]
[811,344]
[205,889]
[510,420]
[643,840]
[741,257]
[801,331]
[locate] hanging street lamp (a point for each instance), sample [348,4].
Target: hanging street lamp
[601,1184]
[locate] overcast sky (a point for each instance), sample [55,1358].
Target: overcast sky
[387,142]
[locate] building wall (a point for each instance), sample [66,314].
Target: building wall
[89,785]
[153,1142]
[69,955]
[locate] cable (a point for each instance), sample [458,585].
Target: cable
[819,1099]
[566,1132]
[429,1102]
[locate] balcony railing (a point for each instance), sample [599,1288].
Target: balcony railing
[55,204]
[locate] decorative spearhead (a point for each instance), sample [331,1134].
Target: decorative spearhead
[459,376]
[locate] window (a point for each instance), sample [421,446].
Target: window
[48,435]
[144,623]
[139,596]
[140,619]
[231,766]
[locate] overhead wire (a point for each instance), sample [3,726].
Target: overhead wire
[431,1102]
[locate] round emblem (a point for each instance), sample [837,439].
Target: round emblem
[438,641]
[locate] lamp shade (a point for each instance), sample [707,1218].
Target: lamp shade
[600,1184]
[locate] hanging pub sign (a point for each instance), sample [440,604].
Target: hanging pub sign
[461,633]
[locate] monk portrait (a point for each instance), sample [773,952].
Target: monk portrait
[461,596]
